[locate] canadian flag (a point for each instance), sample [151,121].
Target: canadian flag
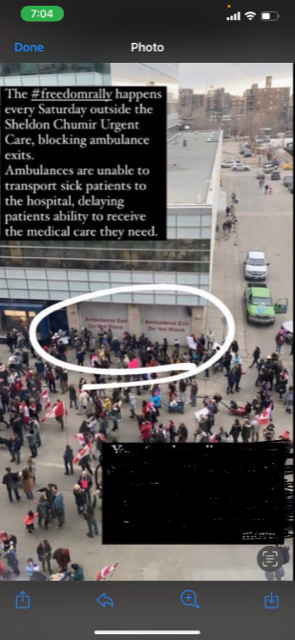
[83,452]
[24,409]
[106,571]
[57,411]
[45,396]
[100,436]
[264,417]
[79,437]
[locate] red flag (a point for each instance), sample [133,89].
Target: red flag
[106,571]
[57,411]
[79,437]
[45,396]
[24,409]
[81,454]
[264,417]
[101,437]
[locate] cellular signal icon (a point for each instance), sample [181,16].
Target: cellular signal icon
[234,16]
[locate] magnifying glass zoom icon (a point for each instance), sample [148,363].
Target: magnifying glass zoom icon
[189,598]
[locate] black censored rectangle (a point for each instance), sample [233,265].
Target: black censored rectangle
[83,163]
[193,494]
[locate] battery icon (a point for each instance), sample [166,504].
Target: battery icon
[269,15]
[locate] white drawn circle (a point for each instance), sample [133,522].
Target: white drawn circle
[189,368]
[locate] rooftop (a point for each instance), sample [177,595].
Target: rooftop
[190,166]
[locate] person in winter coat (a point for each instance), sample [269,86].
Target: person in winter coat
[235,430]
[85,464]
[44,553]
[10,480]
[58,508]
[246,430]
[32,442]
[68,457]
[73,396]
[231,379]
[83,401]
[210,339]
[29,521]
[32,567]
[62,557]
[85,482]
[89,516]
[146,431]
[44,512]
[15,449]
[80,498]
[235,347]
[289,399]
[256,356]
[194,393]
[48,491]
[171,429]
[50,379]
[27,483]
[77,572]
[183,432]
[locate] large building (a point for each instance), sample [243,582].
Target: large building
[268,103]
[35,275]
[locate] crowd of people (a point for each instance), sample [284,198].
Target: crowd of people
[25,376]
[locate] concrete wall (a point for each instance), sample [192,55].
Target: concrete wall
[74,318]
[134,319]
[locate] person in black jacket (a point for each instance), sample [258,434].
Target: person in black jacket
[4,398]
[80,498]
[48,491]
[15,449]
[10,479]
[256,356]
[235,430]
[68,459]
[73,397]
[2,418]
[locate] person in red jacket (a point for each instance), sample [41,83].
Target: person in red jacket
[146,431]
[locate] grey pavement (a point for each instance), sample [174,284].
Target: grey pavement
[265,223]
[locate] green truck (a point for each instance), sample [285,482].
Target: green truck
[260,308]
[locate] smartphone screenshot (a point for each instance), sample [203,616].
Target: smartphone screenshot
[146,319]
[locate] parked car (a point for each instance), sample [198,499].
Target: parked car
[256,265]
[240,167]
[268,168]
[227,164]
[275,175]
[288,165]
[247,154]
[260,175]
[288,181]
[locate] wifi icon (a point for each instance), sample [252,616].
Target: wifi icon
[250,15]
